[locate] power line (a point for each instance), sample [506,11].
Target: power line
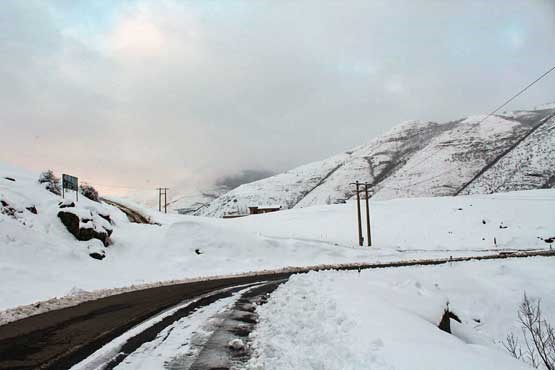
[493,112]
[518,94]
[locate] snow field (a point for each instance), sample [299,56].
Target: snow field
[515,220]
[387,319]
[40,259]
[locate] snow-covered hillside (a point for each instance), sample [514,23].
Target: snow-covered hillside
[530,165]
[40,259]
[505,152]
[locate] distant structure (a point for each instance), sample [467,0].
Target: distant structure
[259,210]
[254,210]
[233,215]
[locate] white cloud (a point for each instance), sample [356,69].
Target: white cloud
[190,91]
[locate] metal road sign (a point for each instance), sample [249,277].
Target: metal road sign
[71,183]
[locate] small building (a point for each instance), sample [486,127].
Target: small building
[233,215]
[256,210]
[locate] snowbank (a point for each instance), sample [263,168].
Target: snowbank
[387,319]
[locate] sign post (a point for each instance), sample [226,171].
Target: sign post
[71,183]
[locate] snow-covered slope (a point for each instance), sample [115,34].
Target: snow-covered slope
[192,201]
[530,165]
[416,159]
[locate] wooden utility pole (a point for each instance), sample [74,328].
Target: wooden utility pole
[163,191]
[359,218]
[368,236]
[360,239]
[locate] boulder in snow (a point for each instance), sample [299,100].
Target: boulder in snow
[32,209]
[86,225]
[66,204]
[7,209]
[96,250]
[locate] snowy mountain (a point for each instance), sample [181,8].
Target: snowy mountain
[190,202]
[512,151]
[184,199]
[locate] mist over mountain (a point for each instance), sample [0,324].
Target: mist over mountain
[244,177]
[192,201]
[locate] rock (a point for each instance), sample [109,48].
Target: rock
[97,256]
[106,217]
[7,209]
[96,250]
[66,204]
[32,209]
[70,221]
[84,230]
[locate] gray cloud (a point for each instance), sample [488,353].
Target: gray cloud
[167,92]
[244,177]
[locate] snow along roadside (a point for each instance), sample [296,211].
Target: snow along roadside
[57,303]
[387,318]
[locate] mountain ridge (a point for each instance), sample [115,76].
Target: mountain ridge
[417,158]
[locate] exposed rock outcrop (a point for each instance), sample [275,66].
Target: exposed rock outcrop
[85,224]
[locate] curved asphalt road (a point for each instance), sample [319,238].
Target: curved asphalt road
[131,214]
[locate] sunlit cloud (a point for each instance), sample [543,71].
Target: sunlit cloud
[137,37]
[185,92]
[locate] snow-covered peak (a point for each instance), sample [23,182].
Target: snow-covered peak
[415,158]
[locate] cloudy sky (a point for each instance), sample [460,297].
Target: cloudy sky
[148,93]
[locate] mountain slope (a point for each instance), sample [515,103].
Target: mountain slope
[417,159]
[529,165]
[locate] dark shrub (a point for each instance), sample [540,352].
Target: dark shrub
[89,191]
[51,182]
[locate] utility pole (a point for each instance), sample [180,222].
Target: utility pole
[164,192]
[360,240]
[359,217]
[369,238]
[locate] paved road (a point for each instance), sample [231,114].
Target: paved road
[131,214]
[59,339]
